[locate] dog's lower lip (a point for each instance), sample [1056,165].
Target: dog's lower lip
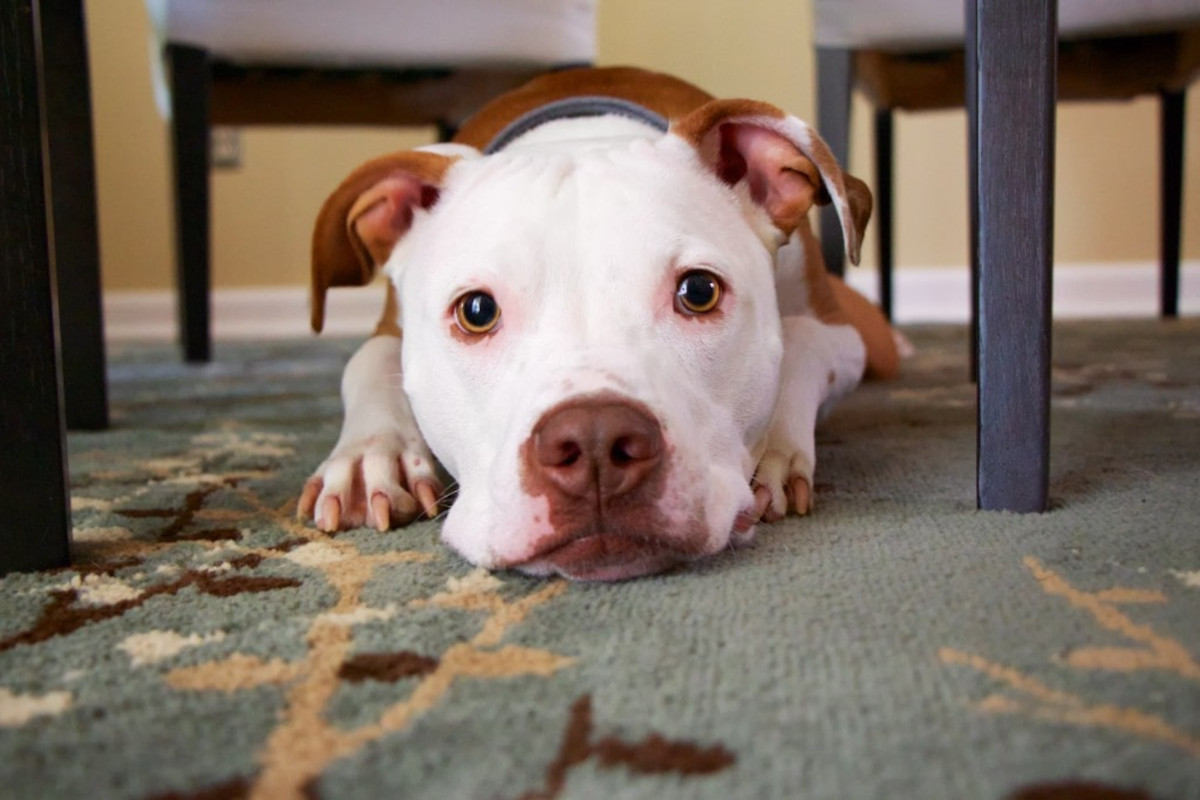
[608,556]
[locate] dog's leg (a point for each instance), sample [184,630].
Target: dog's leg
[380,472]
[821,363]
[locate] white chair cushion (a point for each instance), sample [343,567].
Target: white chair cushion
[913,24]
[382,33]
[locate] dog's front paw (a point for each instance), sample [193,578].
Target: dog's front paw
[787,479]
[383,481]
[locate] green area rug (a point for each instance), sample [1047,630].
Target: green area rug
[895,644]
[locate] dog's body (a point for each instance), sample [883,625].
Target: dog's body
[616,339]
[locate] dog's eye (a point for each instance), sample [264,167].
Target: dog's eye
[698,292]
[477,312]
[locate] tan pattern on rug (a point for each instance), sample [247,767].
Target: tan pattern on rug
[1150,650]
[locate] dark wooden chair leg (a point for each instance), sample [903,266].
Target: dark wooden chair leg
[834,76]
[1171,130]
[884,154]
[1015,46]
[35,526]
[969,98]
[76,242]
[189,115]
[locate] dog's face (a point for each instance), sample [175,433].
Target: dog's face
[592,345]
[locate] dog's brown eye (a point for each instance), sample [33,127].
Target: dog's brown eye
[698,292]
[477,312]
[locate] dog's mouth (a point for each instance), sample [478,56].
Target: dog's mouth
[605,557]
[615,552]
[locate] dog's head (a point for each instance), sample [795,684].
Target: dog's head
[591,340]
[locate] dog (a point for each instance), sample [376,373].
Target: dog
[608,322]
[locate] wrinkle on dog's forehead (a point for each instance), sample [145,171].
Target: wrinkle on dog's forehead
[637,174]
[613,210]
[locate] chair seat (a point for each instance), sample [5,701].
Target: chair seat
[933,24]
[382,33]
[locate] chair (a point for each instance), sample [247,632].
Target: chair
[367,62]
[1014,66]
[915,61]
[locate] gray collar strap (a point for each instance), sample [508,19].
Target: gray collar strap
[573,108]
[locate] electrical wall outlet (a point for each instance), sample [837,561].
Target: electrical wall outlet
[225,146]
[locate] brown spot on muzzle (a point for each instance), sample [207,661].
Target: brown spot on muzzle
[601,463]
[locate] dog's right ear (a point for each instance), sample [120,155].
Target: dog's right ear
[366,215]
[784,164]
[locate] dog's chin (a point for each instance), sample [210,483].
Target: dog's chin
[604,557]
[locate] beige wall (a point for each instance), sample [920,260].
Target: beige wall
[1107,181]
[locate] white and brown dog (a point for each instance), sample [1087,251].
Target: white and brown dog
[618,331]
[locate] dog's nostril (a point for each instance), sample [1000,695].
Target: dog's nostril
[568,454]
[628,449]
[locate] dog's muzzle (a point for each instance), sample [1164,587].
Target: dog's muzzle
[601,462]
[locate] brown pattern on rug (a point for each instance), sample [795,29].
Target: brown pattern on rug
[65,614]
[389,667]
[181,519]
[236,789]
[1077,791]
[653,755]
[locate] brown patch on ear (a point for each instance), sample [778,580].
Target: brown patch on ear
[858,201]
[781,179]
[366,215]
[858,194]
[697,126]
[384,212]
[788,167]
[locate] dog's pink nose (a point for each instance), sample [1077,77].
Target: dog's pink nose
[603,448]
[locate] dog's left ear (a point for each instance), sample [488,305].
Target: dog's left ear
[366,215]
[787,167]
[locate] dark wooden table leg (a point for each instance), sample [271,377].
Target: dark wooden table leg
[1171,124]
[834,76]
[35,529]
[189,121]
[884,205]
[76,242]
[1014,59]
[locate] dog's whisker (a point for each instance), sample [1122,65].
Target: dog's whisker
[444,501]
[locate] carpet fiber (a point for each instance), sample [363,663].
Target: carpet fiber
[895,644]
